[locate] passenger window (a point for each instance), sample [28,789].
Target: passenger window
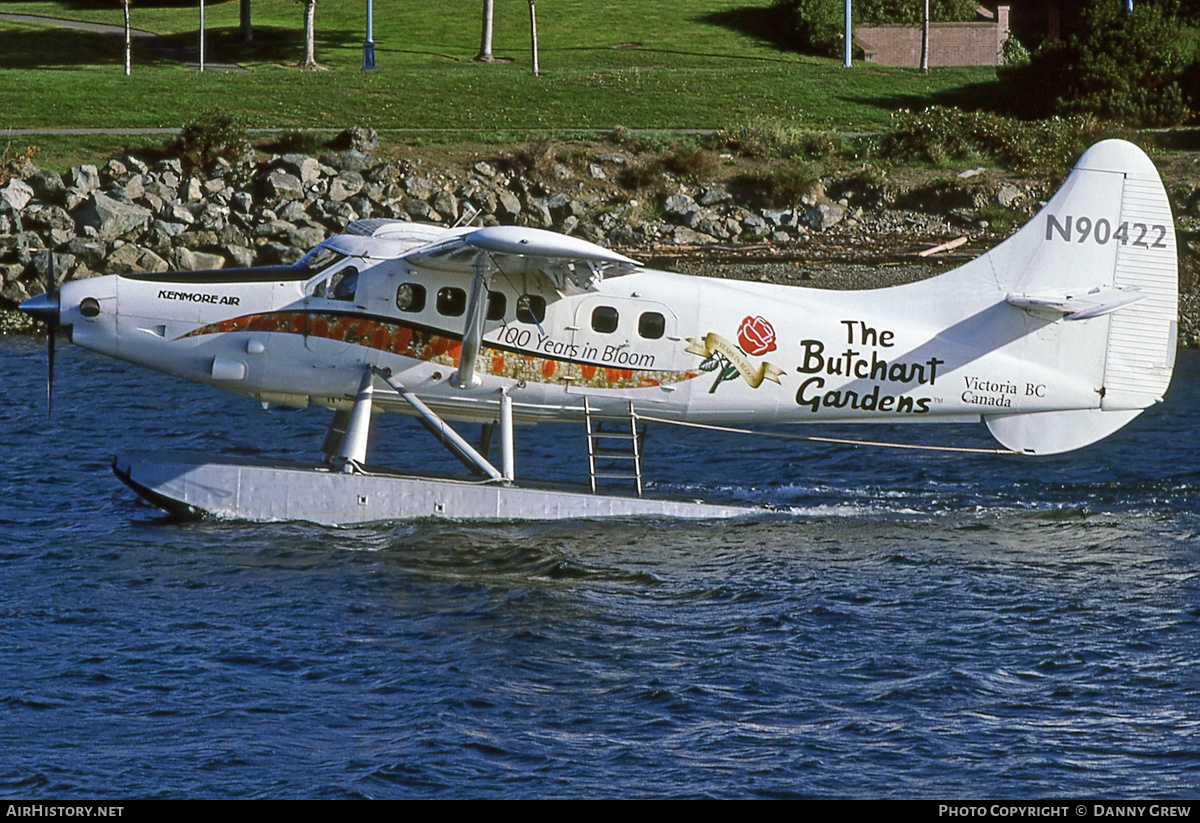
[497,305]
[343,283]
[410,297]
[451,302]
[531,308]
[604,319]
[651,325]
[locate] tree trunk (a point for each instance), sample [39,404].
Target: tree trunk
[310,48]
[485,40]
[247,32]
[925,38]
[128,42]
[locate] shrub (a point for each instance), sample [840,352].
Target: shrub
[780,186]
[695,164]
[939,135]
[1130,70]
[214,135]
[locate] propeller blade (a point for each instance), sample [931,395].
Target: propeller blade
[51,290]
[49,370]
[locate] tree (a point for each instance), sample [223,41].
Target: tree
[128,40]
[247,32]
[310,56]
[485,41]
[925,38]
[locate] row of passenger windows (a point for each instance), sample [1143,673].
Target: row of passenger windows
[452,302]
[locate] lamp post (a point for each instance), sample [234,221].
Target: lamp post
[369,44]
[846,44]
[201,35]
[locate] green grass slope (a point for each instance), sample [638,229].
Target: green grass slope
[667,64]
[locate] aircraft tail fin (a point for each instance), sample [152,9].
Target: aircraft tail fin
[1103,250]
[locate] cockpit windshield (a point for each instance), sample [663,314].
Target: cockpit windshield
[320,259]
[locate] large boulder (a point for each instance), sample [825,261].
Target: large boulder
[111,218]
[132,259]
[15,195]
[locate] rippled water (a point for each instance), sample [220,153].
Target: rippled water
[922,625]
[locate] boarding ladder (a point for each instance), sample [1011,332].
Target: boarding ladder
[614,448]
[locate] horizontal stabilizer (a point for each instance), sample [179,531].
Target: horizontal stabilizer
[1077,305]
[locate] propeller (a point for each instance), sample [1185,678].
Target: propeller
[45,307]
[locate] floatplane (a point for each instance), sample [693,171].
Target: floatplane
[1054,339]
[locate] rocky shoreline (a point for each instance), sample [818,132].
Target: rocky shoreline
[845,231]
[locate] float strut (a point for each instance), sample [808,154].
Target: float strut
[438,427]
[506,436]
[358,428]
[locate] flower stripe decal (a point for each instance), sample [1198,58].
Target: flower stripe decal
[756,336]
[432,347]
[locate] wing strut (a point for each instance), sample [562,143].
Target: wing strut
[477,305]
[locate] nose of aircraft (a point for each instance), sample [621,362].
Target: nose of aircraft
[44,307]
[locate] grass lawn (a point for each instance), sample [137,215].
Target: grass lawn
[668,64]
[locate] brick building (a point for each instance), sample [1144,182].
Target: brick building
[950,44]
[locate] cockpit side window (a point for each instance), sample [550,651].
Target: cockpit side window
[343,283]
[340,285]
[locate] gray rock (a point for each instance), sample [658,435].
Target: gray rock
[1008,195]
[345,185]
[357,138]
[171,165]
[240,256]
[189,260]
[778,218]
[596,171]
[305,237]
[293,211]
[422,188]
[15,195]
[84,179]
[306,168]
[168,228]
[446,204]
[508,207]
[824,216]
[754,224]
[362,205]
[280,185]
[279,254]
[421,211]
[111,219]
[132,259]
[679,206]
[63,265]
[712,196]
[485,169]
[48,186]
[50,217]
[242,202]
[86,251]
[274,229]
[348,161]
[177,213]
[136,166]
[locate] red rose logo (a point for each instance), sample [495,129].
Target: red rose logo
[756,336]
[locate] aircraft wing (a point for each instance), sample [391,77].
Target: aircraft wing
[1078,306]
[571,265]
